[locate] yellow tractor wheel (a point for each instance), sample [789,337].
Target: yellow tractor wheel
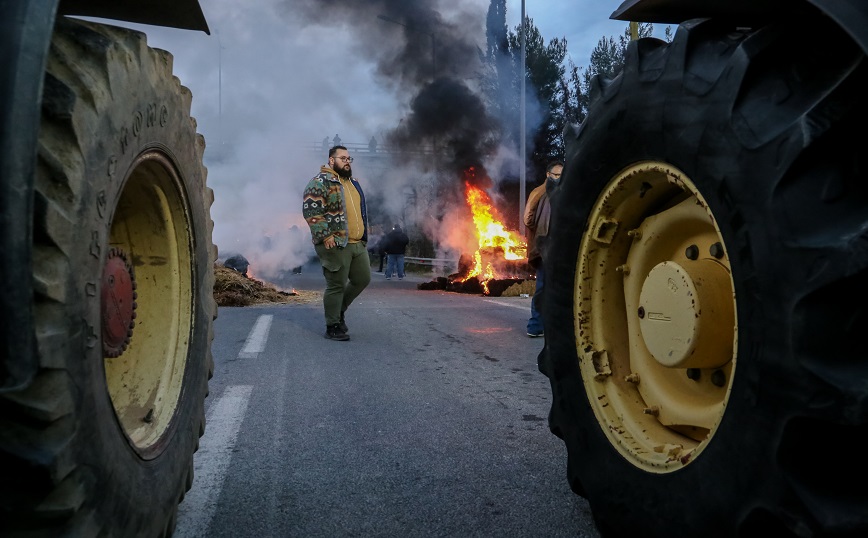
[704,266]
[100,441]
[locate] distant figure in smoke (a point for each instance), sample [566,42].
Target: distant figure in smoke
[537,213]
[334,208]
[295,233]
[395,244]
[336,140]
[381,252]
[325,144]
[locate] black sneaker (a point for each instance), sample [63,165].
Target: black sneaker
[343,324]
[334,332]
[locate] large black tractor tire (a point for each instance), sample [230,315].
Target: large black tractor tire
[101,442]
[707,269]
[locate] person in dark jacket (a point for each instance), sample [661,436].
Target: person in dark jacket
[536,218]
[395,244]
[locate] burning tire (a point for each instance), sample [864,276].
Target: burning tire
[703,340]
[101,441]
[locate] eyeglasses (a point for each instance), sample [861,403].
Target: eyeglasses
[343,159]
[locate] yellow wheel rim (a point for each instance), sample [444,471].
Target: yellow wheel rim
[655,317]
[150,225]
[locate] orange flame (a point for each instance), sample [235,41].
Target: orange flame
[491,234]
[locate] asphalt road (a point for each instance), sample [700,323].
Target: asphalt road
[430,421]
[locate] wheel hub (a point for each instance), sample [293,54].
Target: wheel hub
[682,310]
[118,303]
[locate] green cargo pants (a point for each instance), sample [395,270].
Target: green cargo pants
[347,272]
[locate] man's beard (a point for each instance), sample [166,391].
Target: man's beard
[345,173]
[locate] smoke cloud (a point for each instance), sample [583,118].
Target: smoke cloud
[428,53]
[279,81]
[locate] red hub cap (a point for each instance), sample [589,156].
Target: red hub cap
[118,303]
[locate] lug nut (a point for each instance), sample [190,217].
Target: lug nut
[692,252]
[653,410]
[632,378]
[718,378]
[716,250]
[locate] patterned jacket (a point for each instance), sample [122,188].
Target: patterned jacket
[325,209]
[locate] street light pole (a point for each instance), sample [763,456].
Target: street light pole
[523,170]
[219,95]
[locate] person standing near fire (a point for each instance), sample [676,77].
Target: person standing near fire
[537,213]
[395,244]
[334,208]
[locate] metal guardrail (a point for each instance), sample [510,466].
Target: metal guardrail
[430,261]
[361,149]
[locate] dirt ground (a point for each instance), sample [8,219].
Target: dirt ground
[231,288]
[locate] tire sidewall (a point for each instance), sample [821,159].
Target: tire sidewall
[741,453]
[152,115]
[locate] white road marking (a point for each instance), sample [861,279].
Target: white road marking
[524,305]
[256,339]
[211,462]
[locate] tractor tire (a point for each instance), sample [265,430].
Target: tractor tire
[101,441]
[704,331]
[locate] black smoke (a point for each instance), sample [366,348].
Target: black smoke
[432,61]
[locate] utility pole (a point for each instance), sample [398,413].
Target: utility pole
[523,172]
[219,95]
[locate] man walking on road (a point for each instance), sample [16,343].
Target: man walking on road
[537,214]
[334,208]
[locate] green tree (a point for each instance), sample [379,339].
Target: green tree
[557,91]
[544,69]
[544,88]
[500,74]
[606,60]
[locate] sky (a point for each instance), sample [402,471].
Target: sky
[276,77]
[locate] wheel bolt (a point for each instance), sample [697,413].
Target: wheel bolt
[716,250]
[692,252]
[693,373]
[718,378]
